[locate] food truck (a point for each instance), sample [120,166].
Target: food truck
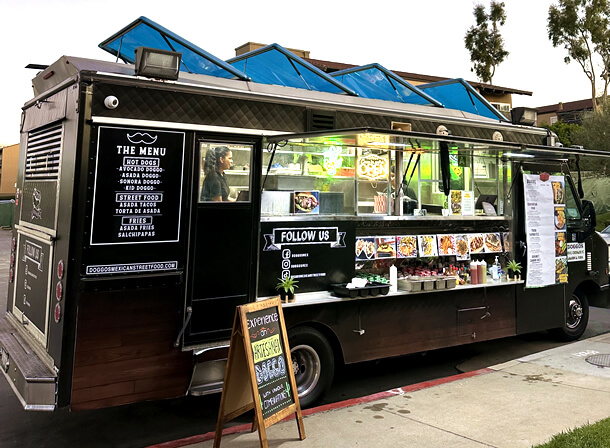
[398,221]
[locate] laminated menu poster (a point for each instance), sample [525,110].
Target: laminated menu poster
[462,247]
[427,245]
[307,202]
[462,202]
[406,246]
[545,230]
[446,244]
[386,246]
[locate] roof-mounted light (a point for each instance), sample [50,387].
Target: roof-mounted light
[526,116]
[155,63]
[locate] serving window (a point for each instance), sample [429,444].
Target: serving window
[381,174]
[224,172]
[309,179]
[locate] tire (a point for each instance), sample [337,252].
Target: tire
[313,363]
[577,318]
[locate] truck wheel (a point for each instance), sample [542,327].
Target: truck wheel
[577,318]
[313,363]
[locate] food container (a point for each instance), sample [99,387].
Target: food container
[341,290]
[429,285]
[450,282]
[372,289]
[411,285]
[440,283]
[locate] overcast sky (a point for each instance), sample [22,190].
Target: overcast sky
[410,35]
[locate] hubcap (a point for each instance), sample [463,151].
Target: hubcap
[574,313]
[306,366]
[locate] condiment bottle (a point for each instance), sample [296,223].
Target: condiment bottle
[474,273]
[495,270]
[393,279]
[482,271]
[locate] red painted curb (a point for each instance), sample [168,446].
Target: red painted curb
[327,407]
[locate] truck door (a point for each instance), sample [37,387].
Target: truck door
[223,236]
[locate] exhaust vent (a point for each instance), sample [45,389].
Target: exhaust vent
[43,153]
[320,120]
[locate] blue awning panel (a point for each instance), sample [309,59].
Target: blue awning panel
[273,64]
[458,94]
[144,32]
[376,82]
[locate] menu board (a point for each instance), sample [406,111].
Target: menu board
[259,373]
[32,279]
[271,362]
[545,228]
[138,185]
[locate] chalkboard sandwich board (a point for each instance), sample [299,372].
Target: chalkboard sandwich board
[259,371]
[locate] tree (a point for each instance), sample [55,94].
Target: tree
[595,134]
[581,27]
[565,131]
[484,41]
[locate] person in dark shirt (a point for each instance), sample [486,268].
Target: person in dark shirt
[215,187]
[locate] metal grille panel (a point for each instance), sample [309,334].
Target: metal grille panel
[599,360]
[43,153]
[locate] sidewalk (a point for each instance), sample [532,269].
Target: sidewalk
[520,403]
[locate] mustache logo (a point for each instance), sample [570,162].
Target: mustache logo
[140,137]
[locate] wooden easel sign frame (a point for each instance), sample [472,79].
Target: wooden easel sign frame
[259,372]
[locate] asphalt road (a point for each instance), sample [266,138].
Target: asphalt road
[143,424]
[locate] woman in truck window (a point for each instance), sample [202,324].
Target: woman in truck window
[215,187]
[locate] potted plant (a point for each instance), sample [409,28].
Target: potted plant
[514,270]
[446,211]
[286,288]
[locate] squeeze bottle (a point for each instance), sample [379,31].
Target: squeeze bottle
[393,279]
[482,271]
[474,273]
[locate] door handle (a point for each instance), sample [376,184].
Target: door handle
[189,313]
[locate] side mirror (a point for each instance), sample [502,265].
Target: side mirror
[589,219]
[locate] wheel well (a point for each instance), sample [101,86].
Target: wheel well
[593,293]
[330,336]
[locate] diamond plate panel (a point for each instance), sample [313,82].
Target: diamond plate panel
[186,107]
[183,107]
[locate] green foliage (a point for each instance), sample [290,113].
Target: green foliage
[512,265]
[595,134]
[287,284]
[581,27]
[603,221]
[589,436]
[484,42]
[565,131]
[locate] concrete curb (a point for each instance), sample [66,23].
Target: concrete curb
[328,407]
